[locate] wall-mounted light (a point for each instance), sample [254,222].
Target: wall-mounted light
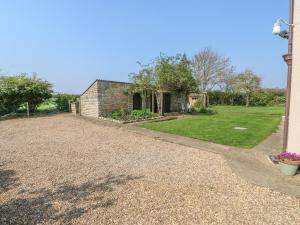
[277,30]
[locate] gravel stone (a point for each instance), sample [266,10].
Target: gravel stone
[65,170]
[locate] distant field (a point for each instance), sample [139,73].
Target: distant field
[226,125]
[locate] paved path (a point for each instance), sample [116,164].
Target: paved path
[69,170]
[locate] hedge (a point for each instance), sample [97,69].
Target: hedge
[263,97]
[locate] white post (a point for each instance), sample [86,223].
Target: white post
[27,106]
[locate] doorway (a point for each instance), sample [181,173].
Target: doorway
[137,101]
[167,102]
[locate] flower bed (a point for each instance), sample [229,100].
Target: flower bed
[125,116]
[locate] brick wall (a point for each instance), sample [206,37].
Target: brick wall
[89,101]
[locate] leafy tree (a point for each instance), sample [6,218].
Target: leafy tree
[17,90]
[36,91]
[173,73]
[9,95]
[143,82]
[166,74]
[247,82]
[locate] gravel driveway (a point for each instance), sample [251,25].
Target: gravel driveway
[65,170]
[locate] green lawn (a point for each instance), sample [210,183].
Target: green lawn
[220,127]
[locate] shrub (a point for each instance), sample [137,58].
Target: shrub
[261,97]
[132,115]
[17,90]
[199,103]
[120,114]
[203,110]
[277,100]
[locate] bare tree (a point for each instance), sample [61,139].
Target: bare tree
[247,82]
[210,69]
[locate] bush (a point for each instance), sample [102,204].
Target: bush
[62,101]
[199,103]
[203,110]
[17,90]
[263,97]
[132,115]
[120,114]
[278,100]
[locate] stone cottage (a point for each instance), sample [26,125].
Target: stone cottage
[103,97]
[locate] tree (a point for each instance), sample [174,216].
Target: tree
[247,82]
[166,74]
[227,85]
[19,89]
[143,82]
[210,69]
[173,73]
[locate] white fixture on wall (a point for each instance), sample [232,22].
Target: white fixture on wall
[277,30]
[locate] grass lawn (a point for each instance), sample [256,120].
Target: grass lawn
[220,127]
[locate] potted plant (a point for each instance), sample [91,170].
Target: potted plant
[288,162]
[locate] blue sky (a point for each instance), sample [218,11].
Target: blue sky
[73,42]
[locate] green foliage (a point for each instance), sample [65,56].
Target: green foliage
[167,73]
[126,115]
[247,82]
[203,110]
[47,106]
[267,97]
[174,74]
[17,90]
[262,97]
[62,101]
[224,98]
[143,81]
[199,103]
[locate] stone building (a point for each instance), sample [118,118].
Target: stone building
[103,97]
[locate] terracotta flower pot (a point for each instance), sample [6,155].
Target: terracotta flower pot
[289,162]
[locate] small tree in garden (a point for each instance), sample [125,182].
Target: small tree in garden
[143,82]
[210,70]
[227,85]
[173,73]
[167,73]
[247,82]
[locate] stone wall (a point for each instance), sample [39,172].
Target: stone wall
[104,97]
[89,101]
[75,108]
[113,96]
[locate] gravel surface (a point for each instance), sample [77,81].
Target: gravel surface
[65,170]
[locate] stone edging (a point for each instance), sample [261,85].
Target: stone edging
[129,121]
